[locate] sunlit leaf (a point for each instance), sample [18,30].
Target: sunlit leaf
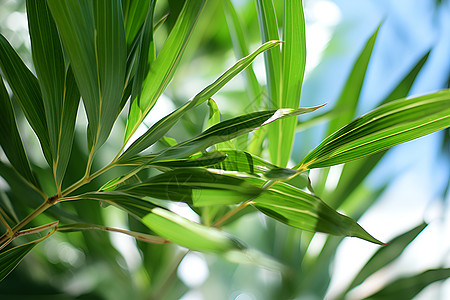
[391,124]
[164,66]
[93,36]
[161,127]
[293,57]
[299,209]
[228,130]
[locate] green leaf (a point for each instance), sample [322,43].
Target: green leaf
[161,127]
[134,17]
[293,57]
[408,287]
[228,130]
[189,234]
[387,254]
[348,99]
[191,185]
[240,49]
[355,172]
[299,209]
[201,160]
[25,88]
[164,66]
[391,124]
[11,258]
[93,36]
[10,140]
[146,53]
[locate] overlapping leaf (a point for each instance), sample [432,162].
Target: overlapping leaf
[393,123]
[93,36]
[191,185]
[161,127]
[164,66]
[228,130]
[25,88]
[293,61]
[299,209]
[10,140]
[59,91]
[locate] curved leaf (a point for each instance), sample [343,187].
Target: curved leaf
[25,88]
[299,209]
[161,127]
[165,64]
[10,140]
[228,130]
[408,287]
[391,124]
[93,36]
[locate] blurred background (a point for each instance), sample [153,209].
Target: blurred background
[411,182]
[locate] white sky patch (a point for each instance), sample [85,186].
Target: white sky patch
[193,270]
[333,177]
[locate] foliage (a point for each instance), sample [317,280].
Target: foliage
[114,58]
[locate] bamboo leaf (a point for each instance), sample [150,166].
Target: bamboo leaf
[299,209]
[190,185]
[391,124]
[240,49]
[10,140]
[348,99]
[161,127]
[387,254]
[189,234]
[408,287]
[293,56]
[355,172]
[93,36]
[11,258]
[146,54]
[228,130]
[134,17]
[59,91]
[202,160]
[165,64]
[25,88]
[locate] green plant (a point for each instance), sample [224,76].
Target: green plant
[104,52]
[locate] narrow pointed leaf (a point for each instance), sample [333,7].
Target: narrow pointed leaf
[203,160]
[189,184]
[391,124]
[299,209]
[189,234]
[25,88]
[348,99]
[161,127]
[293,55]
[11,258]
[10,140]
[408,287]
[59,92]
[387,254]
[228,130]
[146,54]
[93,36]
[164,66]
[240,49]
[134,17]
[355,172]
